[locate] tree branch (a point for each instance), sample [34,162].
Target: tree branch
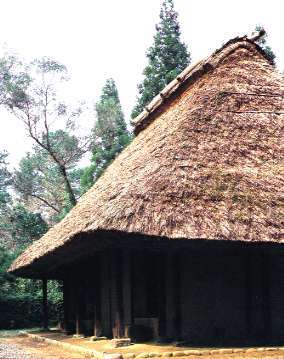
[45,202]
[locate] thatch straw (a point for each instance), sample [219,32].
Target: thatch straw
[208,162]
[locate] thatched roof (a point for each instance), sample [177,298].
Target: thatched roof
[207,163]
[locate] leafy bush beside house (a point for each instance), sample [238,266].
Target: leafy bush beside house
[21,299]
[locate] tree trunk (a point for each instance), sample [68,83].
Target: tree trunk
[68,187]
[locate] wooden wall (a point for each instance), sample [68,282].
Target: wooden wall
[206,297]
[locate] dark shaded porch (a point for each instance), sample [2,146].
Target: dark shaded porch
[202,293]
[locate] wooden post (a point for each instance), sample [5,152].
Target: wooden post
[105,295]
[66,306]
[77,309]
[266,294]
[127,292]
[170,304]
[96,298]
[115,295]
[161,295]
[248,304]
[257,320]
[44,303]
[177,295]
[78,306]
[72,306]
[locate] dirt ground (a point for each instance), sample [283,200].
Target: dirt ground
[39,350]
[104,345]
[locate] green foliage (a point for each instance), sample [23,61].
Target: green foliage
[6,279]
[262,42]
[46,65]
[5,198]
[14,80]
[167,57]
[30,92]
[39,181]
[25,226]
[87,177]
[110,134]
[21,299]
[5,181]
[43,180]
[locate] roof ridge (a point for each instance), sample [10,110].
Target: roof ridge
[194,72]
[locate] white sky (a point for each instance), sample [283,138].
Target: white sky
[98,39]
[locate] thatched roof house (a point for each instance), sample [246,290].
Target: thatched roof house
[207,164]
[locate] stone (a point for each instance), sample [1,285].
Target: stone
[238,350]
[112,356]
[167,354]
[192,352]
[226,351]
[250,350]
[94,338]
[215,351]
[142,355]
[129,356]
[178,354]
[122,342]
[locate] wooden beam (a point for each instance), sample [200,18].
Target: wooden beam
[44,304]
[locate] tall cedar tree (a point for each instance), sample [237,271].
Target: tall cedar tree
[262,42]
[167,57]
[110,134]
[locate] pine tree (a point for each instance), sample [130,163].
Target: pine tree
[167,57]
[110,134]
